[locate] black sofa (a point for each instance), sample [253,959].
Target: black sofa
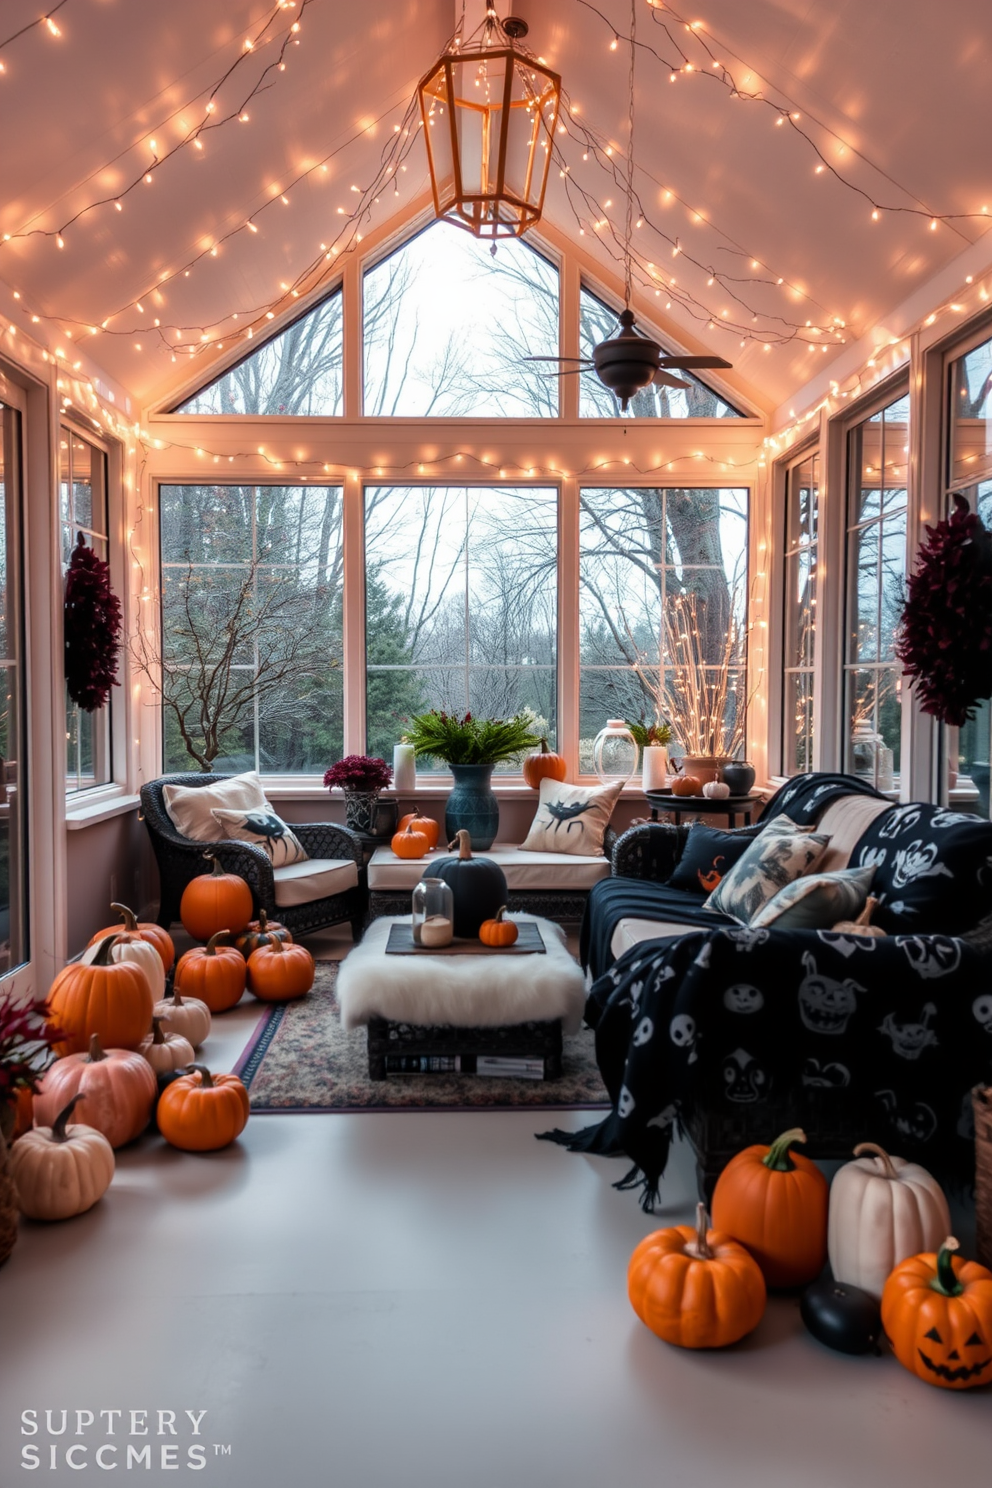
[733,1035]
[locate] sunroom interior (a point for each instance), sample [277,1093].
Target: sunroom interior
[241,354]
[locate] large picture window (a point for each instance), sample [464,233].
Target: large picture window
[662,614]
[461,606]
[878,457]
[83,509]
[252,590]
[802,499]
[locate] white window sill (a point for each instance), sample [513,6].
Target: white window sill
[87,813]
[436,789]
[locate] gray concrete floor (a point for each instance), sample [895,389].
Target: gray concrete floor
[421,1299]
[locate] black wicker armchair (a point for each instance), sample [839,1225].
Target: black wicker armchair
[181,859]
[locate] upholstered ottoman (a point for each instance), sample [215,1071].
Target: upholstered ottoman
[447,1009]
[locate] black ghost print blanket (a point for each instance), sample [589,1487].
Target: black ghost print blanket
[730,1017]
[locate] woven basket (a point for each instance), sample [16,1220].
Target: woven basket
[982,1098]
[8,1205]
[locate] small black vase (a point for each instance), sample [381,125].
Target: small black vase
[739,776]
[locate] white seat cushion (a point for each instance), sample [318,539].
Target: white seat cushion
[631,932]
[523,870]
[314,878]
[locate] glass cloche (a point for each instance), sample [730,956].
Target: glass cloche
[615,752]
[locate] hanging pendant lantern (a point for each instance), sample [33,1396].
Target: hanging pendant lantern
[489,113]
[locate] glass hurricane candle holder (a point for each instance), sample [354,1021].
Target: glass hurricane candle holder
[433,908]
[615,752]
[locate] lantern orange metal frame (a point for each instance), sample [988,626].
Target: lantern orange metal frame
[491,208]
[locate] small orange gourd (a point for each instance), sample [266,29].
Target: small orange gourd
[201,1112]
[863,925]
[135,929]
[215,973]
[937,1314]
[686,785]
[215,901]
[775,1202]
[498,931]
[109,998]
[425,824]
[544,765]
[696,1288]
[410,843]
[278,972]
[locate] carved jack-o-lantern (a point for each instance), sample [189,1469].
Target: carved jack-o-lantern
[937,1313]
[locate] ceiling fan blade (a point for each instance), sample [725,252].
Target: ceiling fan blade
[687,362]
[568,372]
[662,379]
[586,361]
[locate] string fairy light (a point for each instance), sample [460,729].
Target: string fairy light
[45,22]
[191,136]
[746,321]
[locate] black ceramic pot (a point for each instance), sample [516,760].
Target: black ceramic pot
[739,775]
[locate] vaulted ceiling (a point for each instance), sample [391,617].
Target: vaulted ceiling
[892,100]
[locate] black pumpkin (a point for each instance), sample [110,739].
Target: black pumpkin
[842,1316]
[478,886]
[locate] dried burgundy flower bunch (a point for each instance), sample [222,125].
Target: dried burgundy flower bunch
[945,635]
[360,772]
[92,628]
[25,1045]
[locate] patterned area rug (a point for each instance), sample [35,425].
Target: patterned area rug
[300,1059]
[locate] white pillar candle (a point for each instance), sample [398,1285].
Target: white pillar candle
[404,768]
[436,931]
[655,767]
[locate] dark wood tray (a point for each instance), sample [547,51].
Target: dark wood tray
[666,799]
[527,943]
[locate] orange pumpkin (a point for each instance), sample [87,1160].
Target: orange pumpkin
[135,929]
[110,998]
[686,785]
[410,843]
[262,931]
[425,824]
[775,1202]
[215,901]
[498,931]
[214,973]
[937,1314]
[201,1112]
[278,973]
[118,1086]
[695,1287]
[545,765]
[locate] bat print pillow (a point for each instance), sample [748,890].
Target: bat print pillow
[264,828]
[571,818]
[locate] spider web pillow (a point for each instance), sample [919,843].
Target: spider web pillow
[571,818]
[264,828]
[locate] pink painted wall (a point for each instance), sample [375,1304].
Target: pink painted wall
[111,860]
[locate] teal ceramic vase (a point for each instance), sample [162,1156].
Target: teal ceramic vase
[472,807]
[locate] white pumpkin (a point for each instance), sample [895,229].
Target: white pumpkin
[165,1051]
[60,1171]
[882,1209]
[186,1015]
[141,953]
[716,790]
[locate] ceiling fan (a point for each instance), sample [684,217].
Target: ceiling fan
[630,361]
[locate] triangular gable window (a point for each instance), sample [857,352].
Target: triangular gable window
[448,325]
[298,373]
[597,322]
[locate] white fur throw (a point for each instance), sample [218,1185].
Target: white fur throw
[473,991]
